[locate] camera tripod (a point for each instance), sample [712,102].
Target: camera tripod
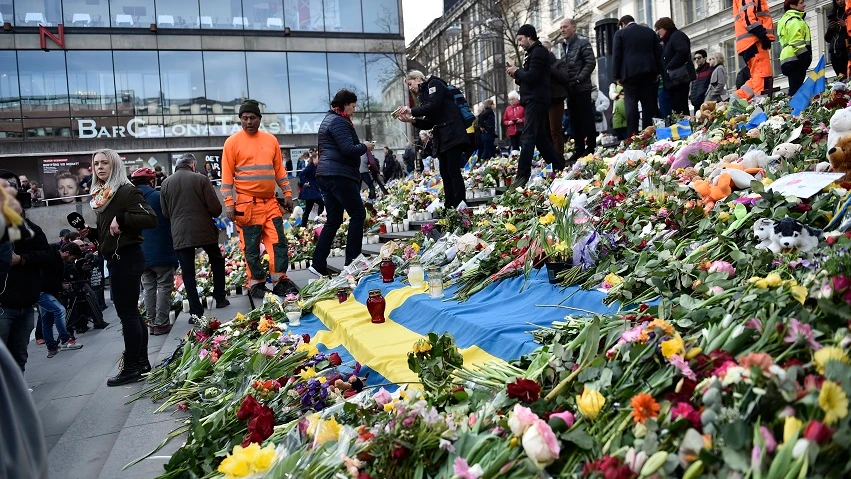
[90,300]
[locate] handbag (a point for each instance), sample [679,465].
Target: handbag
[598,116]
[679,75]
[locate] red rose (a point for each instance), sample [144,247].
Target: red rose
[802,208]
[214,324]
[830,240]
[817,432]
[364,475]
[524,390]
[305,337]
[399,452]
[643,307]
[262,423]
[335,359]
[247,408]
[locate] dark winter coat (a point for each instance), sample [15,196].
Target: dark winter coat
[339,148]
[23,283]
[440,113]
[308,189]
[558,90]
[700,85]
[409,157]
[133,214]
[158,246]
[190,203]
[487,121]
[636,53]
[676,53]
[575,67]
[532,78]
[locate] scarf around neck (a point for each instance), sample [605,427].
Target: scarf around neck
[101,196]
[342,113]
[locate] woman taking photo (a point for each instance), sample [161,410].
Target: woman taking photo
[794,35]
[718,81]
[678,68]
[308,190]
[122,214]
[338,176]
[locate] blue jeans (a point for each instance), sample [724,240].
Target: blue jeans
[52,312]
[16,324]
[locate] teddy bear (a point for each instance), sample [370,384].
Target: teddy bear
[755,160]
[840,157]
[714,190]
[705,112]
[786,151]
[840,125]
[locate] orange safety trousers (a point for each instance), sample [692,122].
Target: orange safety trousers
[260,221]
[762,77]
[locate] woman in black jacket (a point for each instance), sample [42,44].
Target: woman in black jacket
[678,68]
[338,176]
[308,190]
[122,214]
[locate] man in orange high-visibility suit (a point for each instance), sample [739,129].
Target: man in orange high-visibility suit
[754,34]
[251,168]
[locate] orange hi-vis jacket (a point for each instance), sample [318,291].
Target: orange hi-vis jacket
[752,18]
[251,167]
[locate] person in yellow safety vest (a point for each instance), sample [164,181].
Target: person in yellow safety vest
[252,166]
[794,34]
[754,34]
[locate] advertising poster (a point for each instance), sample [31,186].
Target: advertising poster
[133,162]
[66,178]
[29,172]
[207,162]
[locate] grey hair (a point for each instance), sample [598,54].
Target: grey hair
[117,177]
[513,95]
[414,75]
[186,159]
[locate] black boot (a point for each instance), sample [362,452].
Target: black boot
[126,374]
[144,365]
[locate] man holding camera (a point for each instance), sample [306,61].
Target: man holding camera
[52,311]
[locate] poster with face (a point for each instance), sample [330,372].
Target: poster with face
[66,178]
[27,170]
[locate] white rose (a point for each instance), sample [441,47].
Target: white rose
[540,444]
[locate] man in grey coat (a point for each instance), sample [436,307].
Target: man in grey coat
[190,203]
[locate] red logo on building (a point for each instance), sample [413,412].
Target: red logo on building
[44,34]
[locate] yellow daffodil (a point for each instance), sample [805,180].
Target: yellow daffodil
[723,216]
[327,431]
[673,346]
[773,280]
[790,427]
[239,317]
[590,403]
[415,247]
[559,201]
[510,227]
[310,349]
[613,279]
[246,461]
[307,373]
[391,406]
[833,401]
[547,219]
[828,354]
[799,293]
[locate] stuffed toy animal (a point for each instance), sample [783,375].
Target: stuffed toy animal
[756,160]
[705,111]
[791,233]
[716,190]
[840,125]
[762,231]
[786,151]
[682,158]
[840,157]
[741,178]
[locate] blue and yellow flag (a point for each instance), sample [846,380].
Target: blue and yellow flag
[813,85]
[678,131]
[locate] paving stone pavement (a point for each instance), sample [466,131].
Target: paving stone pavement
[89,429]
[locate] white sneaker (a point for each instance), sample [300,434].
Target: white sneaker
[313,271]
[70,345]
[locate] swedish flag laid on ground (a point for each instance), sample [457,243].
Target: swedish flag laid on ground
[678,131]
[813,85]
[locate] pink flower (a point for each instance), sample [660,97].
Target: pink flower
[203,354]
[722,267]
[218,340]
[464,471]
[267,350]
[798,331]
[565,416]
[678,362]
[770,442]
[840,283]
[540,444]
[382,397]
[521,419]
[716,290]
[754,323]
[686,411]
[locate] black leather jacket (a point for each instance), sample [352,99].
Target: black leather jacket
[575,67]
[532,78]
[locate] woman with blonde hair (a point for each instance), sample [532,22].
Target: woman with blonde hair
[718,81]
[122,214]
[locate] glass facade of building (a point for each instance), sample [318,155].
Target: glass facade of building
[354,16]
[87,94]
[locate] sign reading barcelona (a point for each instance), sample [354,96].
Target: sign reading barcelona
[219,126]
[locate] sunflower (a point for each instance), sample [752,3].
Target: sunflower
[828,354]
[833,402]
[644,407]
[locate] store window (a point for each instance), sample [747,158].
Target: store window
[7,11]
[309,81]
[225,14]
[304,14]
[694,10]
[268,81]
[343,16]
[347,70]
[91,82]
[557,8]
[177,14]
[182,79]
[132,13]
[224,81]
[264,15]
[86,13]
[10,95]
[385,82]
[11,130]
[381,16]
[731,62]
[305,123]
[31,13]
[47,128]
[44,85]
[137,82]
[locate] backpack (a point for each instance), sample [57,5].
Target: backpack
[464,107]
